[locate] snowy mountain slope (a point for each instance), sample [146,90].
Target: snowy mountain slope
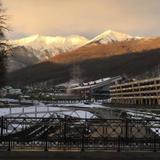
[111,36]
[21,58]
[37,48]
[64,44]
[53,45]
[34,49]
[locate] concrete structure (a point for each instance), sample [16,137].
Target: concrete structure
[98,89]
[139,92]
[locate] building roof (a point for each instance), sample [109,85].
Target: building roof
[98,83]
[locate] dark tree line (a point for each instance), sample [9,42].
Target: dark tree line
[3,46]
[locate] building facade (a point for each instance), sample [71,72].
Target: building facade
[98,89]
[139,92]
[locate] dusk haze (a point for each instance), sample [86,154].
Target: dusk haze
[84,17]
[80,79]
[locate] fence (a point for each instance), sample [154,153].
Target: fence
[75,134]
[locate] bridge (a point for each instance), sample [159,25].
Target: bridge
[78,127]
[79,134]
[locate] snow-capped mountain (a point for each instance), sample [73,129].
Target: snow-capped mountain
[111,36]
[50,46]
[47,42]
[22,57]
[36,48]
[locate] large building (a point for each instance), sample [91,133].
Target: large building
[139,92]
[98,89]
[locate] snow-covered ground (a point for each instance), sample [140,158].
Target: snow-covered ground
[42,110]
[9,100]
[76,111]
[154,125]
[142,115]
[82,105]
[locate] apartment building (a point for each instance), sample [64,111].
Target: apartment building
[139,92]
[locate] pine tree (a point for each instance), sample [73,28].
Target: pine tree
[3,46]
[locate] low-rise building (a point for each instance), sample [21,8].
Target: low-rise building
[9,91]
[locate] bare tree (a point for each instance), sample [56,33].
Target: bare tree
[3,45]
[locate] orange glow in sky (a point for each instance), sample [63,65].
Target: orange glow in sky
[85,17]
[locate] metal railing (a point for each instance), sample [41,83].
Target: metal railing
[69,134]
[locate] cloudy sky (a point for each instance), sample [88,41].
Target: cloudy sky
[84,17]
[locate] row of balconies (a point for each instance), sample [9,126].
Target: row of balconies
[143,95]
[137,83]
[148,92]
[137,97]
[149,87]
[144,101]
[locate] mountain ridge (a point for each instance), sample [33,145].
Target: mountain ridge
[135,56]
[112,36]
[92,51]
[42,48]
[48,40]
[129,64]
[45,48]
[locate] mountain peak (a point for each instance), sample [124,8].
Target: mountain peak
[37,41]
[26,40]
[110,31]
[114,32]
[110,36]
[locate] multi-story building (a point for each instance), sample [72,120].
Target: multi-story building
[141,92]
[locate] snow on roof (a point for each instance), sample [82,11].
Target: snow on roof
[98,81]
[81,87]
[73,84]
[91,83]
